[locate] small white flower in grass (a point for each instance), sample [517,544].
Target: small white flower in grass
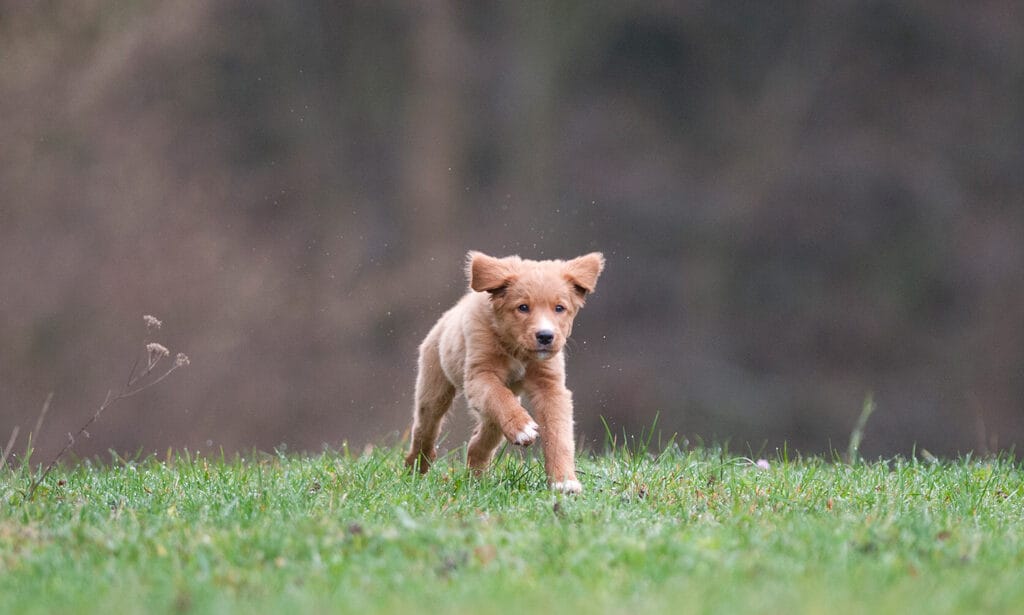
[152,322]
[763,464]
[181,360]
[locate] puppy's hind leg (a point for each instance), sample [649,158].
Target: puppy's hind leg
[482,445]
[434,395]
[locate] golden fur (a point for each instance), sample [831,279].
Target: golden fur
[502,339]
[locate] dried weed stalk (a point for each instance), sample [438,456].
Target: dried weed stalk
[138,381]
[10,445]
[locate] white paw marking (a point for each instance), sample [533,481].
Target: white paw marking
[527,435]
[567,486]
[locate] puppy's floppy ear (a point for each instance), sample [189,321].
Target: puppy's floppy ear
[582,272]
[490,274]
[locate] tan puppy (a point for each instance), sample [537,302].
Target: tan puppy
[502,339]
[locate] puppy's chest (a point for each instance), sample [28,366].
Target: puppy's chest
[516,374]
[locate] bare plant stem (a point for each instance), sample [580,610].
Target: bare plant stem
[42,415]
[10,445]
[853,451]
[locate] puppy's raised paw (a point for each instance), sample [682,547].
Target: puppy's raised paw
[526,435]
[570,486]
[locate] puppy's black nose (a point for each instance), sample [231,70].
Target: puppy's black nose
[545,337]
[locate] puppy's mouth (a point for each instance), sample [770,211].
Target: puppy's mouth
[544,353]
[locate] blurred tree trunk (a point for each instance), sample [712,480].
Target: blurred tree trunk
[432,158]
[530,89]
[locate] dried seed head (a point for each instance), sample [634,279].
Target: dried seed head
[156,351]
[181,360]
[152,323]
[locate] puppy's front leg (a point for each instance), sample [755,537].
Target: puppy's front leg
[552,403]
[487,393]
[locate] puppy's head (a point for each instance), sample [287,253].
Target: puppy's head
[534,302]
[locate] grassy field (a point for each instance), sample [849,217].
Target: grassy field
[683,531]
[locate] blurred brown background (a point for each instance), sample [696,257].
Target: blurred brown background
[800,202]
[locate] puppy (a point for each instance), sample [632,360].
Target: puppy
[502,339]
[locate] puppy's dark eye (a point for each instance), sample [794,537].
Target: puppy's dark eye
[559,308]
[523,308]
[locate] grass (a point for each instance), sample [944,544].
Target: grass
[681,531]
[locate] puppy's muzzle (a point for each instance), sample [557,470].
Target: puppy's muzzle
[545,337]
